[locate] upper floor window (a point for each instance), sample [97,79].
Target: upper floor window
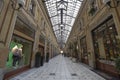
[93,7]
[32,7]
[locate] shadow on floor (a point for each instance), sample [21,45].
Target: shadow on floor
[106,76]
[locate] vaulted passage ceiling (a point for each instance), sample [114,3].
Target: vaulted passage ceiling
[62,14]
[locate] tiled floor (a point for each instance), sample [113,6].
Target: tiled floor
[59,68]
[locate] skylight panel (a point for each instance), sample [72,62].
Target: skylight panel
[62,12]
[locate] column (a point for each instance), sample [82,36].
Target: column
[45,49]
[7,22]
[116,17]
[35,47]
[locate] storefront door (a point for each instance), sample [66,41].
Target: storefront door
[84,55]
[105,43]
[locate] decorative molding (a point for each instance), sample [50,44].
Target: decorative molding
[23,35]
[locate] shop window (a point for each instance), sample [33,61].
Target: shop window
[105,42]
[20,53]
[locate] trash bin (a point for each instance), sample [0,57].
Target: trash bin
[42,60]
[47,57]
[38,59]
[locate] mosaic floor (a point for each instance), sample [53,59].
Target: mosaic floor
[59,68]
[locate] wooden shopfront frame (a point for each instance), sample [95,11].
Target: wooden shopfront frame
[26,67]
[100,33]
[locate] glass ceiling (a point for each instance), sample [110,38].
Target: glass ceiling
[62,14]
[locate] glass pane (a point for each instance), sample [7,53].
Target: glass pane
[20,52]
[63,12]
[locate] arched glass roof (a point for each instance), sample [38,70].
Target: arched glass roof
[62,14]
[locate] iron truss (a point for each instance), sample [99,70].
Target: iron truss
[62,14]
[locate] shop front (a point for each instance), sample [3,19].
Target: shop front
[20,52]
[105,46]
[20,49]
[84,56]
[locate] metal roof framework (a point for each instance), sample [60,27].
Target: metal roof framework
[62,14]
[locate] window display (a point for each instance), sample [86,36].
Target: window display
[19,54]
[105,43]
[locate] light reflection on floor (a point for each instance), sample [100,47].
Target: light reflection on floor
[59,68]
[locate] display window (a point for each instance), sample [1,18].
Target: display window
[19,52]
[105,42]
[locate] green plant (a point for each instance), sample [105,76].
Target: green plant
[117,64]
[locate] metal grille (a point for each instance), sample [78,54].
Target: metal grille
[52,74]
[73,74]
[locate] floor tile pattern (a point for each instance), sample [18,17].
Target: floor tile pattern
[59,68]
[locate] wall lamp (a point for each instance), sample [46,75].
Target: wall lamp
[108,2]
[20,3]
